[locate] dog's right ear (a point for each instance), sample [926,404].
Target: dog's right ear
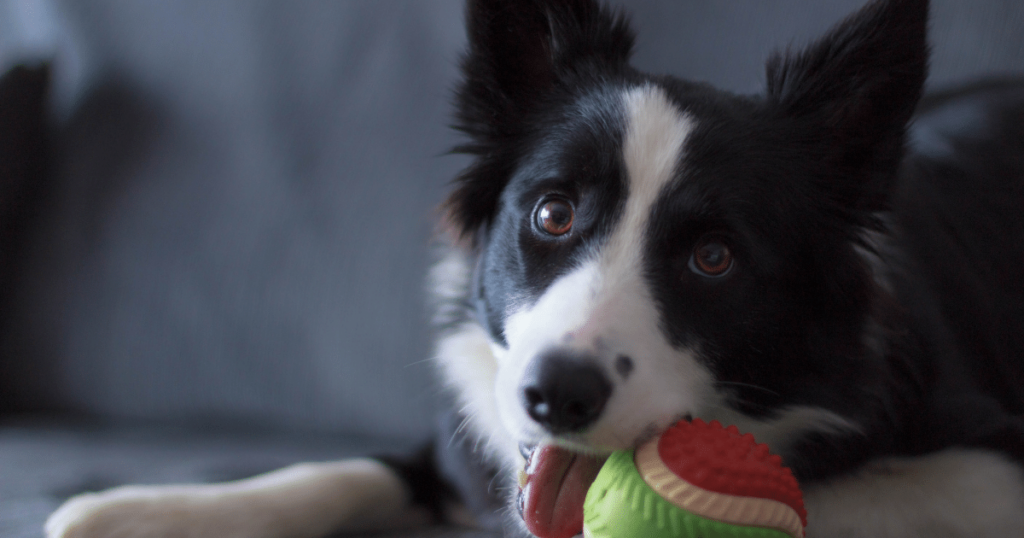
[520,51]
[859,86]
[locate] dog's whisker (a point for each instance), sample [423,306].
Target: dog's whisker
[748,386]
[458,430]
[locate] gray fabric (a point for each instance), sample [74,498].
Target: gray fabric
[246,193]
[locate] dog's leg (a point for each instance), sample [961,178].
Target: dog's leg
[957,493]
[302,501]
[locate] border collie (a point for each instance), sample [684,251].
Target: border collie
[835,265]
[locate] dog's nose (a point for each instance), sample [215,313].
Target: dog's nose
[565,393]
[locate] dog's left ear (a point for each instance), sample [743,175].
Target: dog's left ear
[857,88]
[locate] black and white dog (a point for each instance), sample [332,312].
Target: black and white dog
[836,266]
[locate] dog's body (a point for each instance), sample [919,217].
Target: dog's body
[632,250]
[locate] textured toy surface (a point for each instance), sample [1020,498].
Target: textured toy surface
[696,480]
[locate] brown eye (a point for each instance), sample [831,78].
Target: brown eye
[554,217]
[711,258]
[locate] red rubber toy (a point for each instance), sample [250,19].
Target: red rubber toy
[696,480]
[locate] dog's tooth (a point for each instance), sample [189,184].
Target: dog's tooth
[522,478]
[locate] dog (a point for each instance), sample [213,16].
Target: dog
[835,265]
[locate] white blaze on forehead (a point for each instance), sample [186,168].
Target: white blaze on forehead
[655,133]
[653,146]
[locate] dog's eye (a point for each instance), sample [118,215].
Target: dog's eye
[554,217]
[711,258]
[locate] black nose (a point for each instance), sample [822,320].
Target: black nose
[565,393]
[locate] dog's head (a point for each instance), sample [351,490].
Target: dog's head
[649,248]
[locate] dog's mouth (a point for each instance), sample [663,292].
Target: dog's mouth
[553,487]
[554,484]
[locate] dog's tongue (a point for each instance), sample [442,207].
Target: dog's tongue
[555,489]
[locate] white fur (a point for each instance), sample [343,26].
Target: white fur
[878,253]
[956,493]
[301,501]
[469,366]
[448,285]
[464,355]
[655,133]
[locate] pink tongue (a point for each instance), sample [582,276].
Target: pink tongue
[554,494]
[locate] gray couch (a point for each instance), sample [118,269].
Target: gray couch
[216,216]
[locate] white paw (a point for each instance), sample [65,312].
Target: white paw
[129,512]
[301,501]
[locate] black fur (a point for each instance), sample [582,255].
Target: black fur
[525,58]
[879,244]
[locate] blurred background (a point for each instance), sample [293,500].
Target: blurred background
[216,217]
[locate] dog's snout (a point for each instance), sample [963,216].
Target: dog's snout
[565,393]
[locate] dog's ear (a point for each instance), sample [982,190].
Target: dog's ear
[520,51]
[857,88]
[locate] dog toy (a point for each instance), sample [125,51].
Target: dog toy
[696,480]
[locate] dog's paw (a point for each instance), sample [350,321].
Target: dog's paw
[127,512]
[301,501]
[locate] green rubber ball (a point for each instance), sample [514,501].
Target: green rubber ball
[620,504]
